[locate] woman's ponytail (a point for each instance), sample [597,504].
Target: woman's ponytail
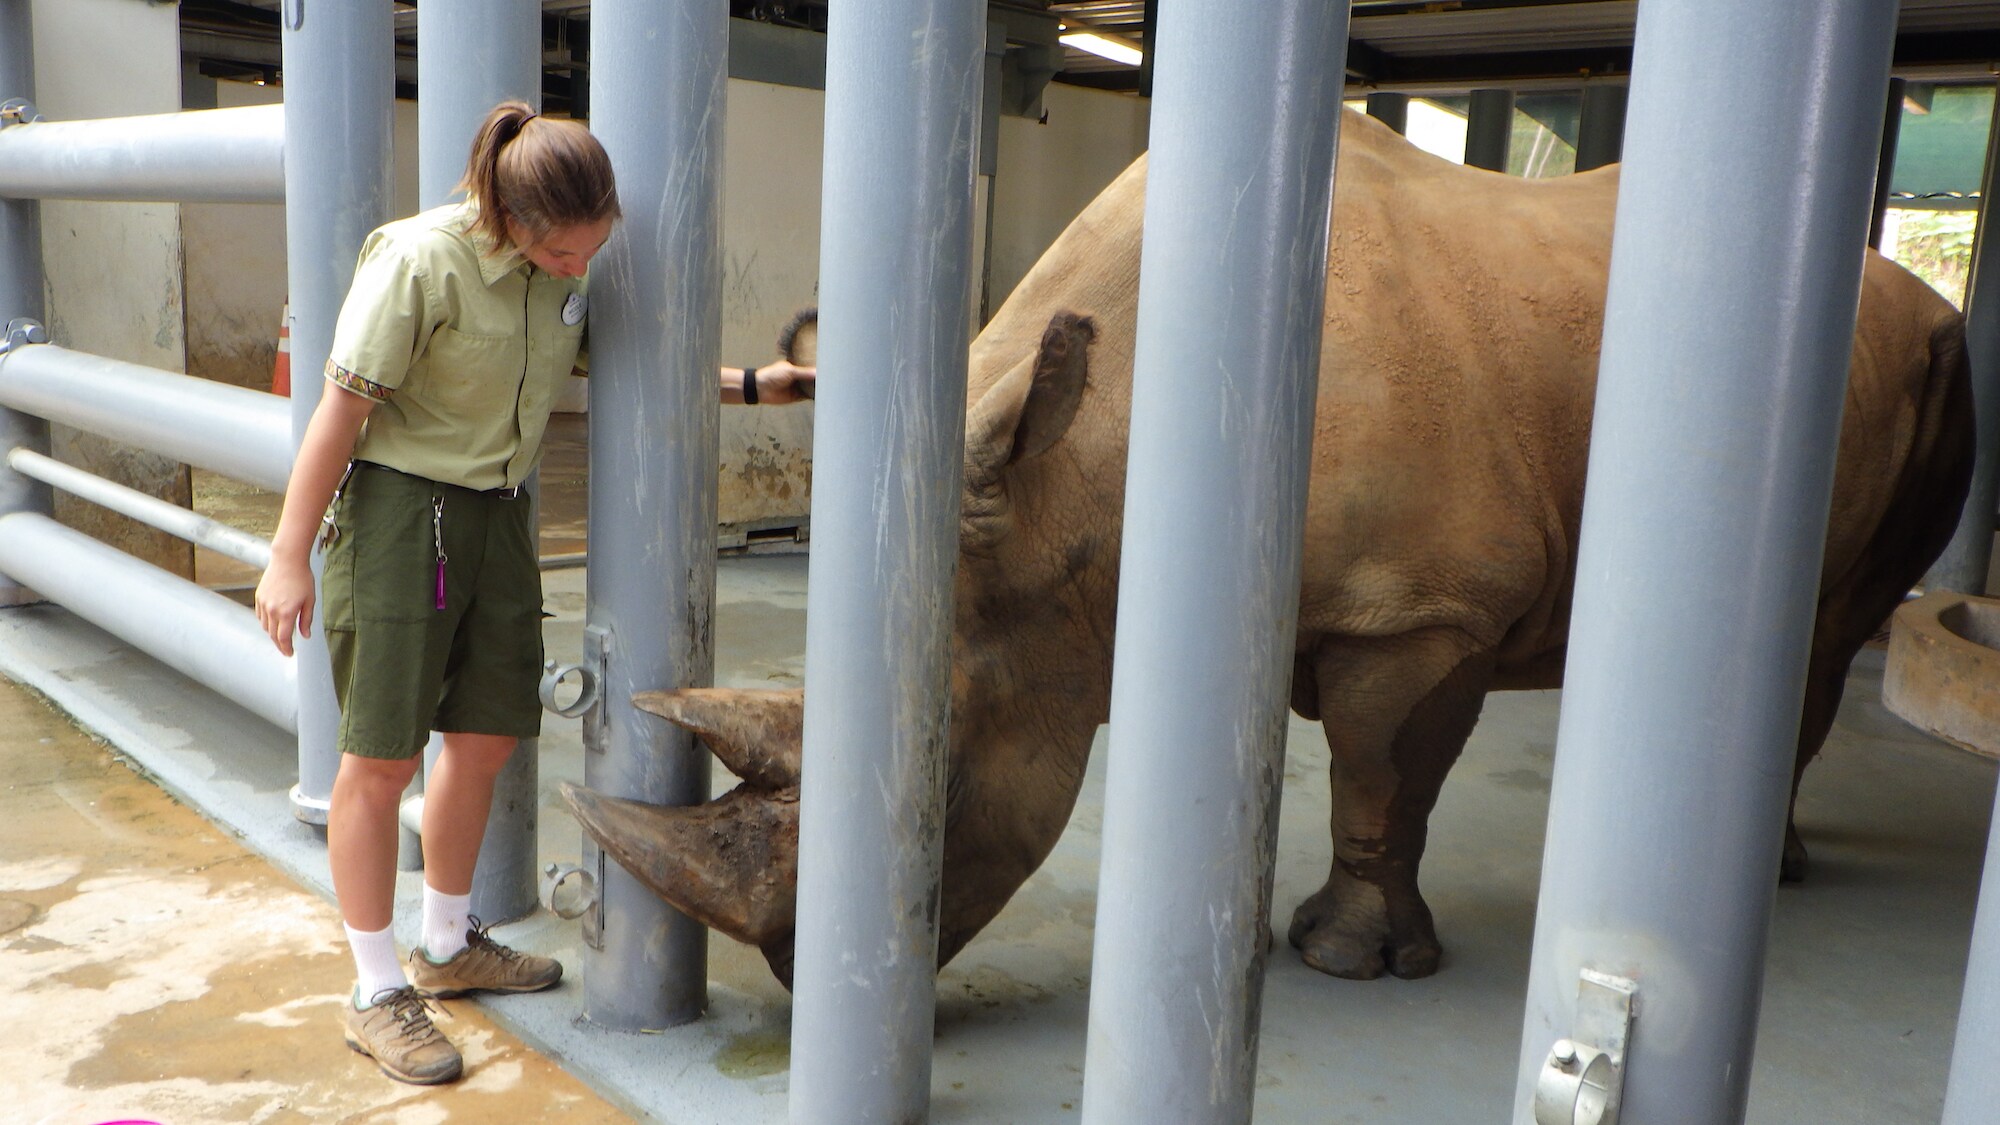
[540,173]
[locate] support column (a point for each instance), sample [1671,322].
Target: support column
[1231,298]
[20,281]
[339,103]
[654,439]
[1885,167]
[1600,126]
[1728,328]
[1974,1087]
[1489,128]
[1391,109]
[471,55]
[1963,566]
[902,121]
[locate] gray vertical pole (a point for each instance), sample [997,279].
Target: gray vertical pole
[903,83]
[339,94]
[1963,566]
[471,55]
[1885,166]
[1728,327]
[1231,298]
[1974,1087]
[1489,127]
[1600,126]
[20,280]
[654,439]
[1391,109]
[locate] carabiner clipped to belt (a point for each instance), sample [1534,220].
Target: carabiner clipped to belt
[330,530]
[437,537]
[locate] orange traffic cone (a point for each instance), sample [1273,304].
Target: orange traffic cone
[281,369]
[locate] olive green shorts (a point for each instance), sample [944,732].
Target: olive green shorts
[402,666]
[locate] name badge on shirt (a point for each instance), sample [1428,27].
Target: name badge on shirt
[573,309]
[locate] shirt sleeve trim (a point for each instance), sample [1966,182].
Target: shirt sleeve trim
[348,380]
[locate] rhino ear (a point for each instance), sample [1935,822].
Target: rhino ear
[1031,407]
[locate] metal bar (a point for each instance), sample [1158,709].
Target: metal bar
[471,56]
[1728,328]
[1489,129]
[339,110]
[902,114]
[1974,1087]
[1885,167]
[149,510]
[196,156]
[1391,109]
[197,632]
[651,580]
[1964,565]
[235,431]
[20,279]
[1231,299]
[1600,126]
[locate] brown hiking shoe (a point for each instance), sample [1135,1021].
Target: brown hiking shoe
[483,965]
[396,1031]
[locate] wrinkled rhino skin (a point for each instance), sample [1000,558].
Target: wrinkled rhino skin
[1457,381]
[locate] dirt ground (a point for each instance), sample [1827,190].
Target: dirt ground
[156,969]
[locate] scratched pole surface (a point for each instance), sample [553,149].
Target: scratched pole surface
[1729,321]
[1231,296]
[340,88]
[903,84]
[20,282]
[656,340]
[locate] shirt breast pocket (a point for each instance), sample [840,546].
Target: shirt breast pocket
[467,370]
[555,351]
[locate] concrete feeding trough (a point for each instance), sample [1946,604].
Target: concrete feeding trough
[1943,671]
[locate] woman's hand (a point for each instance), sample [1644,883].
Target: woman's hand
[285,601]
[783,382]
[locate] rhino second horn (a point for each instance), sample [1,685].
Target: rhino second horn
[757,734]
[731,864]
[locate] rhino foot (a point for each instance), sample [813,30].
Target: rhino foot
[1357,930]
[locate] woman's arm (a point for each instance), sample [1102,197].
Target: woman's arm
[285,594]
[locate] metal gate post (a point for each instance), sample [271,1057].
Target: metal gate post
[1231,298]
[1391,109]
[20,280]
[339,94]
[1728,329]
[654,438]
[1963,566]
[1600,126]
[1974,1087]
[1489,129]
[903,84]
[1885,164]
[471,55]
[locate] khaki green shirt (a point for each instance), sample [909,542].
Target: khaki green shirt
[462,347]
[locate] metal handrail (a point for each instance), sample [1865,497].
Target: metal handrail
[173,519]
[199,156]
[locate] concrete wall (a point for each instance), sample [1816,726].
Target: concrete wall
[114,269]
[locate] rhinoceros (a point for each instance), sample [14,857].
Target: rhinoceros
[1457,379]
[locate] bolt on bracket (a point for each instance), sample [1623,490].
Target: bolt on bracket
[20,331]
[1583,1081]
[18,111]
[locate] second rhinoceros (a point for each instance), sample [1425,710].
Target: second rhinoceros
[1456,386]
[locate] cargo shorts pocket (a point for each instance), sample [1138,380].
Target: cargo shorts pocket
[382,567]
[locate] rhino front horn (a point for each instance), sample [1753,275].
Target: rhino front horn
[731,864]
[757,734]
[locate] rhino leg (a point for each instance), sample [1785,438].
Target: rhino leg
[1397,712]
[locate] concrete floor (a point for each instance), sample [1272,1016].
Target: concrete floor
[1862,981]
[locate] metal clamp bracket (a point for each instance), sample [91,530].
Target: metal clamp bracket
[18,111]
[1583,1081]
[22,330]
[589,672]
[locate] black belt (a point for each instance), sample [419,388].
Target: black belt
[510,492]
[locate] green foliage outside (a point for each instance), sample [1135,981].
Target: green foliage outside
[1936,246]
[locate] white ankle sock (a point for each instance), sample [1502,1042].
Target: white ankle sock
[375,963]
[446,918]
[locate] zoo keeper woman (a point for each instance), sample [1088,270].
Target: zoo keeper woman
[459,326]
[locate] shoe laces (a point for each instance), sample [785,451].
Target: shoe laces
[411,1010]
[478,938]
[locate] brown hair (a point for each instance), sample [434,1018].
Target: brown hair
[541,173]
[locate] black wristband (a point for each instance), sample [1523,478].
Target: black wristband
[749,386]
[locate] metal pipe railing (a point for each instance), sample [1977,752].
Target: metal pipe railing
[197,632]
[199,156]
[240,433]
[151,511]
